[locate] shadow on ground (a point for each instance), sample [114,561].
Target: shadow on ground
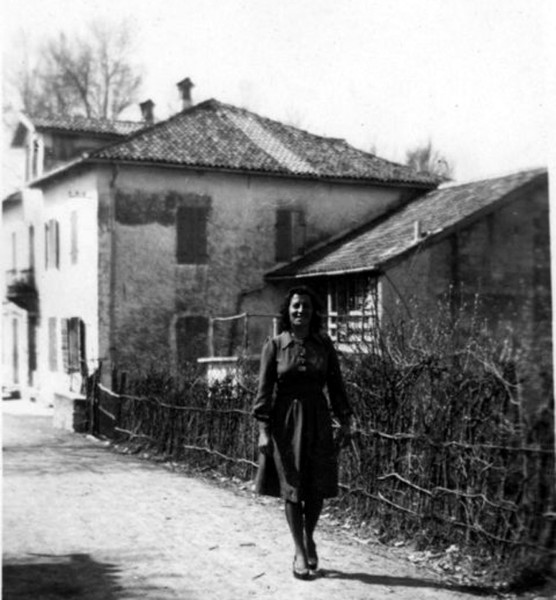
[46,577]
[408,582]
[59,577]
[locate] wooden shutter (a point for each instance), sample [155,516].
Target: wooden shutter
[46,234]
[191,223]
[52,346]
[56,228]
[15,350]
[31,247]
[283,234]
[74,237]
[64,330]
[82,348]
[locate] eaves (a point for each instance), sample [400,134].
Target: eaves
[86,160]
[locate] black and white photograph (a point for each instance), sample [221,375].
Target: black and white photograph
[277,300]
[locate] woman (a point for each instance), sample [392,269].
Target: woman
[298,459]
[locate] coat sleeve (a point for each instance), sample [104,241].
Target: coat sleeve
[335,384]
[267,380]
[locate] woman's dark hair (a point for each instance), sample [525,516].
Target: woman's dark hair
[316,319]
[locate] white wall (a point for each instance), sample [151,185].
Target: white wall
[70,290]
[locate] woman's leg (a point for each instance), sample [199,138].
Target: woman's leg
[294,515]
[312,510]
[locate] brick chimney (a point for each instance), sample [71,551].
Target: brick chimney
[147,111]
[184,87]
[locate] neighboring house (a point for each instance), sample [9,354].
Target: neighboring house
[51,142]
[140,243]
[31,244]
[481,247]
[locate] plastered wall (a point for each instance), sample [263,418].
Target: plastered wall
[137,252]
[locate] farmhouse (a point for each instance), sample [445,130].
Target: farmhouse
[130,249]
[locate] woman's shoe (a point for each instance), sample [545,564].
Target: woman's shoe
[298,573]
[313,562]
[312,558]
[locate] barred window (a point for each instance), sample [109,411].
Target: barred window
[353,309]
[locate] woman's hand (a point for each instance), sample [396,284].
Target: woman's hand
[265,443]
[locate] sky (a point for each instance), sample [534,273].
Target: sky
[472,76]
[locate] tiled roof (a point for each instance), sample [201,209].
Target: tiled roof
[374,245]
[216,135]
[87,125]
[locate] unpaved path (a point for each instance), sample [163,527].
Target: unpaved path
[81,521]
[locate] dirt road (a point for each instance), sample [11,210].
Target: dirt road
[81,521]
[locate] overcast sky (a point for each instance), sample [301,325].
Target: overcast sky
[468,74]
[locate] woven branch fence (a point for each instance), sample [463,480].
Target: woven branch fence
[443,452]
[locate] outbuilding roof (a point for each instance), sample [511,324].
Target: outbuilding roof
[374,245]
[220,136]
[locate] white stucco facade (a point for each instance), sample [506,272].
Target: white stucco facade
[68,290]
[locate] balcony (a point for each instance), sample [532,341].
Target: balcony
[21,288]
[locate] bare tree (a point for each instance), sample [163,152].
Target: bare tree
[425,159]
[90,74]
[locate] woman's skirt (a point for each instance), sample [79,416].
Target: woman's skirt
[304,462]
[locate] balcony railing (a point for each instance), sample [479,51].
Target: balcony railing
[20,282]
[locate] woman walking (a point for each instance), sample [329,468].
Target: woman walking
[298,456]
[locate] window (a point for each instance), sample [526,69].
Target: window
[35,158]
[64,147]
[73,345]
[52,346]
[73,226]
[353,309]
[191,338]
[32,158]
[290,233]
[191,223]
[52,244]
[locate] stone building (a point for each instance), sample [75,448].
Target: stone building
[480,251]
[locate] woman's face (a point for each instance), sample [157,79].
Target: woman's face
[300,310]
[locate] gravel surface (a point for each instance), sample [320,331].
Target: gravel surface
[82,521]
